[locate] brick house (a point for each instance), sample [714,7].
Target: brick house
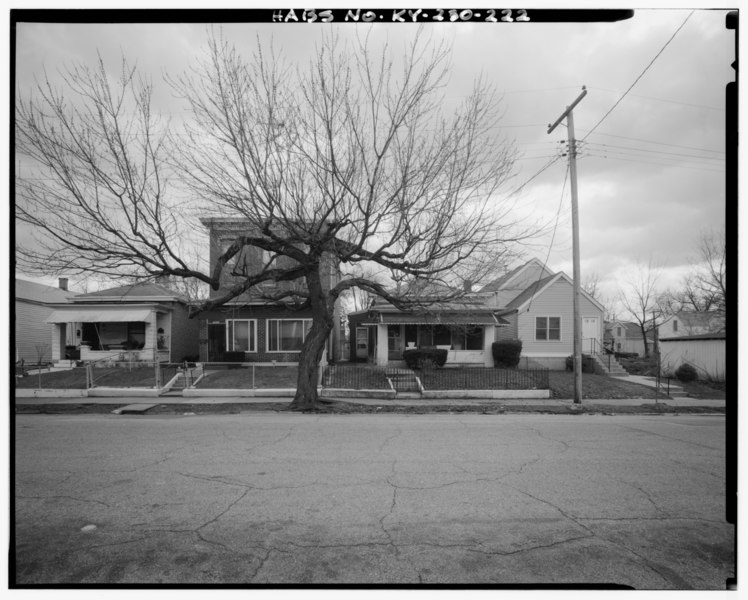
[250,328]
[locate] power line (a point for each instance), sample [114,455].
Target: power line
[662,99]
[641,74]
[543,168]
[623,137]
[648,151]
[680,164]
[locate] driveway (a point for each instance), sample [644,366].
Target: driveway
[264,498]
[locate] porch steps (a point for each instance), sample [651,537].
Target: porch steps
[404,381]
[615,370]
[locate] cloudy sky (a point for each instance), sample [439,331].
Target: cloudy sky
[650,174]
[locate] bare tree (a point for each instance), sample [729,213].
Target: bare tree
[639,296]
[352,159]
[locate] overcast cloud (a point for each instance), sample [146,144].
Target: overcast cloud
[651,175]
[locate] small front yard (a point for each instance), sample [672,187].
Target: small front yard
[75,379]
[242,378]
[560,383]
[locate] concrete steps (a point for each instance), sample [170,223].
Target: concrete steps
[610,365]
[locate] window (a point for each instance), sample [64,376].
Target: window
[548,328]
[675,325]
[467,338]
[287,335]
[618,329]
[241,335]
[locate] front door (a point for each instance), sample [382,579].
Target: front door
[591,335]
[362,342]
[216,341]
[394,342]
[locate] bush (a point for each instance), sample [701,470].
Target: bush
[419,358]
[588,363]
[506,353]
[686,373]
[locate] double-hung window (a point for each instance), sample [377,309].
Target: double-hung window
[548,328]
[287,335]
[241,335]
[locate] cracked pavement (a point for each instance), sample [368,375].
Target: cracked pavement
[267,498]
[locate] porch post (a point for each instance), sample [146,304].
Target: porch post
[382,346]
[488,339]
[58,342]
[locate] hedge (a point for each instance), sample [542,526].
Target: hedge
[419,358]
[506,353]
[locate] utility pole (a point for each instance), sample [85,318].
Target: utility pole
[568,114]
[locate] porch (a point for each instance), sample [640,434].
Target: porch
[120,334]
[466,343]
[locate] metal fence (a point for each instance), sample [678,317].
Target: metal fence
[355,377]
[358,377]
[484,378]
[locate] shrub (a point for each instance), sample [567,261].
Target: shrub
[686,373]
[506,353]
[588,363]
[419,358]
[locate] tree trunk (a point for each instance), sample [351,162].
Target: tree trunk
[644,337]
[306,397]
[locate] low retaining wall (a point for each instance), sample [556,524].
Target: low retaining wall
[333,393]
[244,393]
[489,394]
[102,392]
[28,393]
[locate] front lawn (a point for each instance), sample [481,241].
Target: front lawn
[598,387]
[75,379]
[241,378]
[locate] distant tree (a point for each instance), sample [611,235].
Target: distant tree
[357,156]
[638,295]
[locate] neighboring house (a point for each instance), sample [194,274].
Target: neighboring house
[686,323]
[530,303]
[137,322]
[250,328]
[32,307]
[705,352]
[626,337]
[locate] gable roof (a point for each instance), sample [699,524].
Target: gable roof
[133,292]
[502,281]
[534,289]
[540,286]
[40,293]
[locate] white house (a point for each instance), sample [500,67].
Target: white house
[33,335]
[530,303]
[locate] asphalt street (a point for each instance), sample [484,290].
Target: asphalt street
[286,498]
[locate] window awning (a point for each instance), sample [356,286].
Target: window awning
[468,318]
[98,315]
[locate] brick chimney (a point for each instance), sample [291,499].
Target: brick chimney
[63,283]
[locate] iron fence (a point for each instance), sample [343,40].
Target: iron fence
[484,378]
[355,377]
[359,377]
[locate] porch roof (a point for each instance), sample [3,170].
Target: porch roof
[474,318]
[98,315]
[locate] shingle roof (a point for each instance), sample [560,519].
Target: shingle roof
[135,290]
[530,291]
[36,292]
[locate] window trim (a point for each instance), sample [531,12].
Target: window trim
[267,335]
[548,328]
[253,338]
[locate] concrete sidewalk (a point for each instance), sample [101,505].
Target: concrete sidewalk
[676,402]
